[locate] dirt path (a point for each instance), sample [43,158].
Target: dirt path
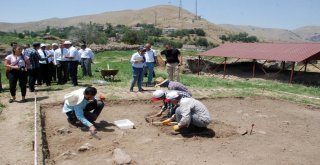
[16,133]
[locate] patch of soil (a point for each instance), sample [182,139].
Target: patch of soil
[284,133]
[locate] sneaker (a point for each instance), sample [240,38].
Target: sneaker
[11,100]
[141,90]
[23,101]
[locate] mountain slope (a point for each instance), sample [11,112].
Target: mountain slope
[267,34]
[310,33]
[162,16]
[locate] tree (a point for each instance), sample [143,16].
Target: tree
[47,29]
[130,37]
[200,32]
[20,35]
[202,42]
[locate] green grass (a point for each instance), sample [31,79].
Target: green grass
[120,60]
[27,40]
[2,106]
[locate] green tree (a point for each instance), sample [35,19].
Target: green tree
[202,42]
[130,37]
[200,32]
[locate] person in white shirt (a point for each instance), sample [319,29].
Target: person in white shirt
[54,64]
[62,64]
[151,60]
[86,56]
[73,60]
[137,61]
[45,71]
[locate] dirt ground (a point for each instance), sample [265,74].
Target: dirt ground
[283,133]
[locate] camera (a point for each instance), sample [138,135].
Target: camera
[22,68]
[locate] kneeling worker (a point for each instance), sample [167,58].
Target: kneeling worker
[79,104]
[161,95]
[189,112]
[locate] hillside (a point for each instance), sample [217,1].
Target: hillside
[167,16]
[267,34]
[162,16]
[310,33]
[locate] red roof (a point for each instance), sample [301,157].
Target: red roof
[295,52]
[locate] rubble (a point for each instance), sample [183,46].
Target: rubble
[120,157]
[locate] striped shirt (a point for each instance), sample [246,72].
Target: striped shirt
[173,85]
[34,58]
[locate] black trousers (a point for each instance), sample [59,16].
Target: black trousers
[73,71]
[33,76]
[91,113]
[62,72]
[45,74]
[14,77]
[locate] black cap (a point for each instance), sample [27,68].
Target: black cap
[35,44]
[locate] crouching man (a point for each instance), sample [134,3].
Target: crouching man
[161,95]
[189,113]
[82,106]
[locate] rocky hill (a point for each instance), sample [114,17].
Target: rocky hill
[304,34]
[161,16]
[310,33]
[167,16]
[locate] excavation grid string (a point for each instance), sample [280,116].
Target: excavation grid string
[35,130]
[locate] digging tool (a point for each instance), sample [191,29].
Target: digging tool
[252,125]
[95,136]
[160,123]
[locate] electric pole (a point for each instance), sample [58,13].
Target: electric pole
[180,6]
[196,9]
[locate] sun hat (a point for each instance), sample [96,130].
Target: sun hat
[75,97]
[42,45]
[54,44]
[171,96]
[156,95]
[67,42]
[159,81]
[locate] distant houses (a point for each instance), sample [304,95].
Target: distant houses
[168,30]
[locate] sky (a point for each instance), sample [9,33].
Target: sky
[283,14]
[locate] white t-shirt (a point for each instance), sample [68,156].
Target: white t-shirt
[42,55]
[86,53]
[73,52]
[17,61]
[150,55]
[58,56]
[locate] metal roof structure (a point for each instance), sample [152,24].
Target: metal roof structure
[291,52]
[284,52]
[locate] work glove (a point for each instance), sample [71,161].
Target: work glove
[176,127]
[102,98]
[166,122]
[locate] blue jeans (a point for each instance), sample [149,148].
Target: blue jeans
[150,67]
[137,75]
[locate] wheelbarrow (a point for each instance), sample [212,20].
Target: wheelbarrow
[109,74]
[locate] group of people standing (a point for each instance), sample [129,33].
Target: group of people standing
[44,63]
[145,59]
